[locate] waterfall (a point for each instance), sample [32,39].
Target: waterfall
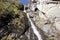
[34,28]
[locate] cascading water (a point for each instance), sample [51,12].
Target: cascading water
[34,28]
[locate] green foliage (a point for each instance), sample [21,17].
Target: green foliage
[7,0]
[9,7]
[10,18]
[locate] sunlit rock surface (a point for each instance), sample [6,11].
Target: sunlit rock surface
[48,22]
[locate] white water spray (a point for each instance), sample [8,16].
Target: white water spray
[34,28]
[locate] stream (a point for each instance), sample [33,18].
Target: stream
[36,32]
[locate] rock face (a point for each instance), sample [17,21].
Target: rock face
[15,25]
[47,17]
